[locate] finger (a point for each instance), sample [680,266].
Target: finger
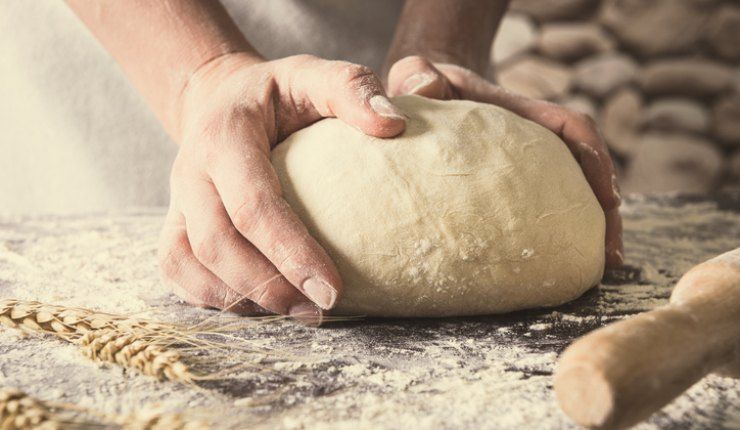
[189,279]
[350,92]
[614,246]
[225,252]
[589,149]
[255,205]
[206,299]
[583,138]
[417,75]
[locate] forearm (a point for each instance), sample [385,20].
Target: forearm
[447,31]
[160,44]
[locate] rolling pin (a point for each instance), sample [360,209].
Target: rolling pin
[619,375]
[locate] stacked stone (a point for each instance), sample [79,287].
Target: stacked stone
[661,77]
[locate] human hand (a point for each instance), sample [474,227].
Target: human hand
[230,240]
[417,75]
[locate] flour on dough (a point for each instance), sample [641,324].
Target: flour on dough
[472,210]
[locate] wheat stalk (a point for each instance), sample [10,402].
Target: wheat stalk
[69,322]
[128,342]
[19,411]
[135,351]
[134,343]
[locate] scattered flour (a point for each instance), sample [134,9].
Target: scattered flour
[487,372]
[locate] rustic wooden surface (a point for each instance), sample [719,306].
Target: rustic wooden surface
[484,372]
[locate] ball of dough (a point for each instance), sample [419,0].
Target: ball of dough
[472,210]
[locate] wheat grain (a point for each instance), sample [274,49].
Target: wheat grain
[69,322]
[145,345]
[129,342]
[135,351]
[37,317]
[19,411]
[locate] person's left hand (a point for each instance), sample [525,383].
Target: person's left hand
[419,76]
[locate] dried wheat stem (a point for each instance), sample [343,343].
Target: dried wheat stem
[68,322]
[133,350]
[19,411]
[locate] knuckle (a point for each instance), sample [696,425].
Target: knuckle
[260,294]
[254,209]
[416,61]
[169,264]
[190,297]
[232,299]
[208,250]
[303,58]
[263,295]
[220,297]
[356,75]
[199,292]
[288,67]
[585,119]
[206,295]
[358,70]
[289,255]
[169,255]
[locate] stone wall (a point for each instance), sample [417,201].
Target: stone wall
[661,77]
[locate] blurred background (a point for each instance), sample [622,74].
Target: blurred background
[661,77]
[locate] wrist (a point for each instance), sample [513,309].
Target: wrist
[438,55]
[207,71]
[456,32]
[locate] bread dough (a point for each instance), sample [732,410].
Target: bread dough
[472,210]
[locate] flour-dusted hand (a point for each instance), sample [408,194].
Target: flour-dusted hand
[230,240]
[229,234]
[417,75]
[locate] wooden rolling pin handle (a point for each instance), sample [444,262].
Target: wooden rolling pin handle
[715,277]
[619,375]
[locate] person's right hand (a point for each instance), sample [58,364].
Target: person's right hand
[230,237]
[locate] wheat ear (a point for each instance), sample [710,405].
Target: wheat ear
[69,322]
[19,411]
[136,351]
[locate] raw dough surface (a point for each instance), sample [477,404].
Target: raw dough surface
[472,210]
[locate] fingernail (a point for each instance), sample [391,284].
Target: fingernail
[320,292]
[306,313]
[414,83]
[383,107]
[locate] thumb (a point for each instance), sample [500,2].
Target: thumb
[417,75]
[350,92]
